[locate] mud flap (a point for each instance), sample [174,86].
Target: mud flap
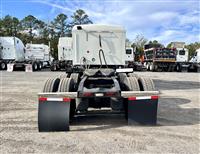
[28,68]
[53,116]
[10,67]
[142,111]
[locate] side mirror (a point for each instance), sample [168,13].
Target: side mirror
[79,28]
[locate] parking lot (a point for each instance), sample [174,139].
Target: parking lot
[177,130]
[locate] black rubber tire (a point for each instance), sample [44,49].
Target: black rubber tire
[39,65]
[34,66]
[3,65]
[67,85]
[63,75]
[146,84]
[133,75]
[134,84]
[51,85]
[75,77]
[121,77]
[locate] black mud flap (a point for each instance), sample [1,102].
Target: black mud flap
[142,111]
[53,116]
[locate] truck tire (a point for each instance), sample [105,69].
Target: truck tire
[39,65]
[121,77]
[63,75]
[67,85]
[134,84]
[146,84]
[51,85]
[3,65]
[75,77]
[131,84]
[151,67]
[35,66]
[132,75]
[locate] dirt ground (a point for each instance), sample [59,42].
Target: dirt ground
[178,129]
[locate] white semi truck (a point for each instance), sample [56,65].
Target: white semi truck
[64,55]
[183,63]
[11,49]
[98,78]
[38,52]
[13,55]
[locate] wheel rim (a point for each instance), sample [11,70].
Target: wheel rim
[3,66]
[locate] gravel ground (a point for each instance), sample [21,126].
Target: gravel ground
[177,130]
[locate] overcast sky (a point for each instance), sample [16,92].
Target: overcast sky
[163,20]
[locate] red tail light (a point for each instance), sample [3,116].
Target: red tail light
[154,97]
[43,99]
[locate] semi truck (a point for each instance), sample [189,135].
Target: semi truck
[130,60]
[183,63]
[97,79]
[38,52]
[11,49]
[14,55]
[64,55]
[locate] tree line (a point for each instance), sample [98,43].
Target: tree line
[31,29]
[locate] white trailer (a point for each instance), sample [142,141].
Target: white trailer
[98,80]
[38,52]
[11,49]
[64,54]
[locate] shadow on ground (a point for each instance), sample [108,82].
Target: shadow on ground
[173,85]
[169,114]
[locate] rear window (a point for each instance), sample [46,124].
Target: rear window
[182,52]
[128,51]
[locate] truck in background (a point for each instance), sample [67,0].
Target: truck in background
[130,60]
[12,49]
[38,52]
[183,64]
[15,56]
[64,55]
[159,58]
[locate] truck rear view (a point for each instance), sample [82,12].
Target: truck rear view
[97,79]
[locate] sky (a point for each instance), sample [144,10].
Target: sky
[162,20]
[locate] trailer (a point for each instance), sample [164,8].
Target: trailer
[64,55]
[160,59]
[98,79]
[13,56]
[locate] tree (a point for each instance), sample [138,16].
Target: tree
[155,44]
[139,43]
[15,24]
[192,47]
[31,23]
[60,24]
[80,17]
[7,25]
